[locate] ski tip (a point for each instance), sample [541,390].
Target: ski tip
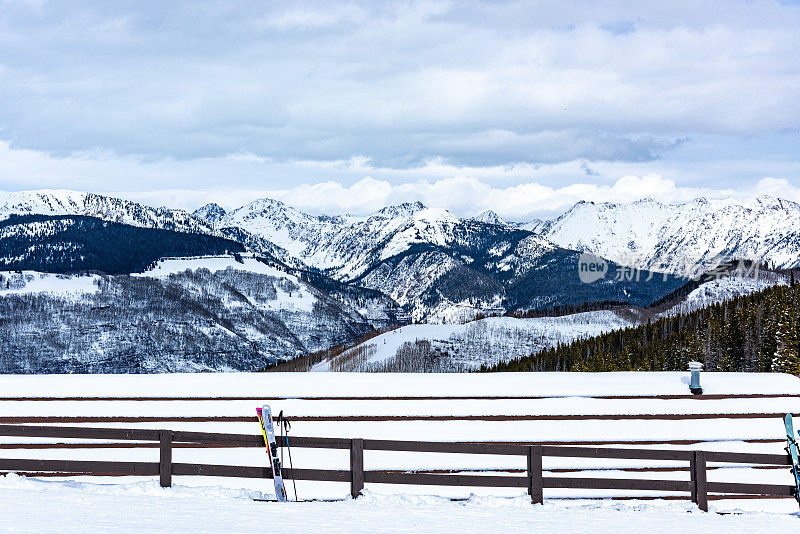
[258,411]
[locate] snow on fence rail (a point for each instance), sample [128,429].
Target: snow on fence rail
[329,398]
[389,417]
[534,480]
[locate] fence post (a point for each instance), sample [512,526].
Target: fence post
[700,480]
[693,478]
[535,483]
[356,467]
[165,458]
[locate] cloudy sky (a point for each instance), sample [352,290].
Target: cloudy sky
[522,107]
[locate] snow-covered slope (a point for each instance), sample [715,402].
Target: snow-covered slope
[294,295]
[687,238]
[440,347]
[725,288]
[185,314]
[459,347]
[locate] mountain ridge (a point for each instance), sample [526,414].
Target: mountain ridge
[684,238]
[68,202]
[679,239]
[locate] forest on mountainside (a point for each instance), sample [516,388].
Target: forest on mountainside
[76,243]
[752,333]
[190,321]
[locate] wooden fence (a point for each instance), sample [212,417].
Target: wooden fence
[534,480]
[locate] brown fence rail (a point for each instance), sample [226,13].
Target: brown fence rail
[407,397]
[534,480]
[33,419]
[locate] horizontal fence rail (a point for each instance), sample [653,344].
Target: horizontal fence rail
[412,398]
[534,480]
[25,419]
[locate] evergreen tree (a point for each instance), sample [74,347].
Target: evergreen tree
[787,357]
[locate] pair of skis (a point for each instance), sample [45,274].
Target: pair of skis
[268,431]
[792,449]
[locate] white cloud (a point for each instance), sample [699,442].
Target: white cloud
[469,195]
[777,187]
[517,192]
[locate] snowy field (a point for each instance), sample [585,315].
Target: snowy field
[59,285]
[30,506]
[303,385]
[226,504]
[168,266]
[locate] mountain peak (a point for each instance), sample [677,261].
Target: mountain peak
[267,215]
[265,206]
[491,217]
[402,210]
[212,213]
[265,202]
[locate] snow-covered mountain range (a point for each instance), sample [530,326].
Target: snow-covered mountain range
[357,271]
[684,238]
[687,238]
[64,202]
[443,267]
[440,267]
